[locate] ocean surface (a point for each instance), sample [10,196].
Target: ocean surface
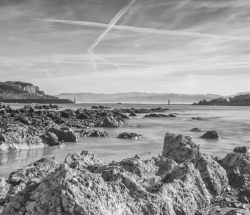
[232,123]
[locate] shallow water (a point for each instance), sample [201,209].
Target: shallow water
[232,123]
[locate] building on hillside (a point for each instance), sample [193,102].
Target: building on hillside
[31,89]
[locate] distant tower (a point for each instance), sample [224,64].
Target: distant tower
[169,102]
[74,100]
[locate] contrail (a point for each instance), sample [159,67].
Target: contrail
[110,26]
[145,30]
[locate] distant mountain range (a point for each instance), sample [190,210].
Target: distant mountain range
[135,97]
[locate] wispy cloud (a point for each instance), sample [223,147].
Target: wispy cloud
[142,45]
[146,30]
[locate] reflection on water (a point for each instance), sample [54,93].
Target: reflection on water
[231,122]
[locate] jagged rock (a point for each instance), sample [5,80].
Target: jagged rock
[180,148]
[67,113]
[211,135]
[94,133]
[196,130]
[29,175]
[111,122]
[243,150]
[158,109]
[85,185]
[237,165]
[185,188]
[157,115]
[4,188]
[198,118]
[213,175]
[82,116]
[24,120]
[132,114]
[126,135]
[245,193]
[235,212]
[51,139]
[65,134]
[17,137]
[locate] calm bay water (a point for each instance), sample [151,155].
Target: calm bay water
[232,123]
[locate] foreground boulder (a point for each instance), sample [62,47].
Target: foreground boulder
[85,185]
[237,165]
[17,189]
[213,175]
[180,148]
[213,135]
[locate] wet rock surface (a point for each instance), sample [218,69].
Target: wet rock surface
[181,181]
[46,125]
[111,122]
[126,135]
[196,130]
[212,135]
[237,165]
[158,115]
[94,133]
[180,148]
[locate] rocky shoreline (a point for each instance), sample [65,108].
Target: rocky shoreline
[47,125]
[181,180]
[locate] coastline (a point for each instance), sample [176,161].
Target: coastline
[180,180]
[142,186]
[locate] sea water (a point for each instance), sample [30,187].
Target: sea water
[232,123]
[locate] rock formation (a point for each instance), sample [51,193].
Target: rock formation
[126,135]
[181,181]
[212,135]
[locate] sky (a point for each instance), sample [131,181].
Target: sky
[109,46]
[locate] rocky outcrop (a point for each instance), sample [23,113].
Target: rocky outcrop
[17,137]
[196,130]
[84,185]
[180,148]
[51,139]
[182,181]
[94,133]
[111,122]
[65,134]
[212,135]
[126,135]
[158,115]
[213,175]
[36,126]
[22,182]
[237,165]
